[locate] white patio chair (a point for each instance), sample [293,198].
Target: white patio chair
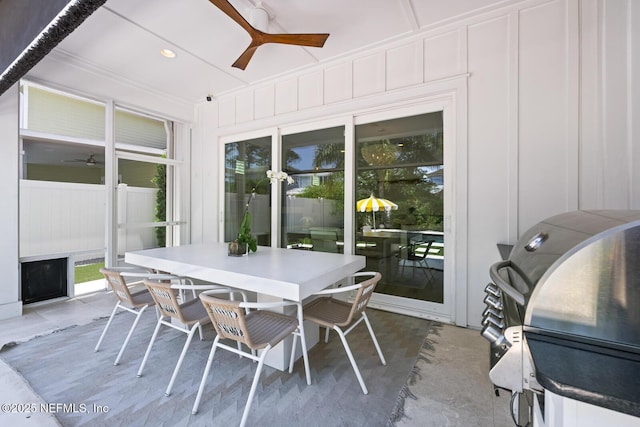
[188,316]
[133,302]
[254,326]
[336,314]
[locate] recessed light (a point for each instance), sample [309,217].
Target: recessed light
[167,53]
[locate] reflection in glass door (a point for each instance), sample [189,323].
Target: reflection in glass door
[246,163]
[400,208]
[313,207]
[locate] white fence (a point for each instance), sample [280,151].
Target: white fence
[58,218]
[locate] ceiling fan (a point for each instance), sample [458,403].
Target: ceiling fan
[259,38]
[89,161]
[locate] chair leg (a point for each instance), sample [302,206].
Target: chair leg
[293,353]
[373,337]
[113,313]
[303,344]
[305,357]
[181,359]
[254,385]
[326,335]
[207,367]
[351,359]
[126,341]
[146,354]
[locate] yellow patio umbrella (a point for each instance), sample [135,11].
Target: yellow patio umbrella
[374,204]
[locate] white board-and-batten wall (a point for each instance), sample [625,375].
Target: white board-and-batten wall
[546,104]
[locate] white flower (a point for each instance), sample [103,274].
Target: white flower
[279,176]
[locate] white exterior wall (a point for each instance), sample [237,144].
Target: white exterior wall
[10,306]
[551,110]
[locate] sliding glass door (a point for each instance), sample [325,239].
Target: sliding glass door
[369,185]
[313,206]
[245,166]
[400,204]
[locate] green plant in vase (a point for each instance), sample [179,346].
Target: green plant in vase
[244,232]
[245,241]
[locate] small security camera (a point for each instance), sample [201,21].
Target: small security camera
[209,98]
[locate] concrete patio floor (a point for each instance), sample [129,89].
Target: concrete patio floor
[84,308]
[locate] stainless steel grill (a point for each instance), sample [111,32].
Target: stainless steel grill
[564,303]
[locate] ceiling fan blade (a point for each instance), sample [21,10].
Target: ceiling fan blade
[246,56]
[312,40]
[232,13]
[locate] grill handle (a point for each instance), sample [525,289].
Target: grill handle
[502,284]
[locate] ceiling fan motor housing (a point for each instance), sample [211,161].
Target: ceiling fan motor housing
[259,18]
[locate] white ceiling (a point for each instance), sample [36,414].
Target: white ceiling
[121,41]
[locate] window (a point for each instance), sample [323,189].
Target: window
[399,164]
[246,164]
[313,207]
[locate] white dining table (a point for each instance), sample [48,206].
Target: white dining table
[272,273]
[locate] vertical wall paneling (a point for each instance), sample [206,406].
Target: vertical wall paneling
[197,168]
[369,75]
[490,148]
[286,96]
[264,100]
[456,277]
[338,83]
[210,177]
[311,90]
[244,107]
[572,100]
[634,103]
[615,104]
[227,111]
[591,192]
[543,117]
[512,124]
[443,55]
[550,113]
[404,66]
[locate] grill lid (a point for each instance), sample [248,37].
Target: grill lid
[583,270]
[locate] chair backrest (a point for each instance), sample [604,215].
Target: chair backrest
[324,240]
[118,285]
[424,249]
[166,299]
[364,294]
[228,319]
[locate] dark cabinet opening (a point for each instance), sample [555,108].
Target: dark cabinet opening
[43,280]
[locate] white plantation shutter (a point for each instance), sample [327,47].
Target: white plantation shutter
[139,130]
[58,114]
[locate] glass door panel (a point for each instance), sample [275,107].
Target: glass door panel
[313,207]
[246,165]
[400,206]
[145,219]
